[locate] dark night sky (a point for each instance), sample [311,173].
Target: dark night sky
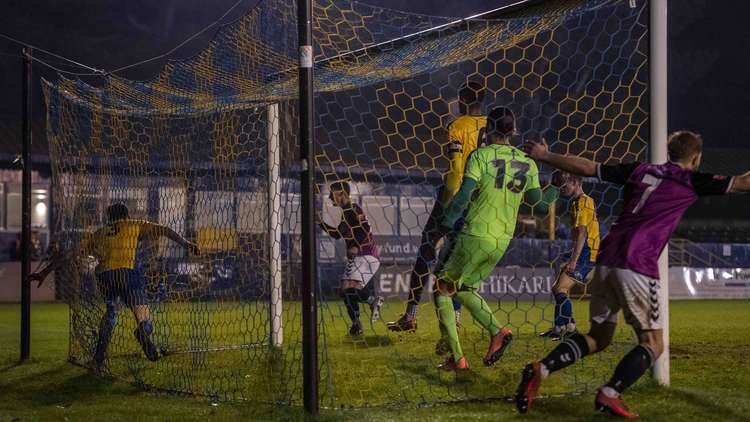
[708,59]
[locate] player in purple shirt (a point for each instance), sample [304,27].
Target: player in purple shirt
[626,275]
[361,253]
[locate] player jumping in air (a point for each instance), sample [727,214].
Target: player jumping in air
[362,256]
[464,135]
[627,274]
[583,256]
[497,178]
[118,278]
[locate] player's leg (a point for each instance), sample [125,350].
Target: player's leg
[368,266]
[563,305]
[444,292]
[107,284]
[483,256]
[136,300]
[420,273]
[642,308]
[350,294]
[603,309]
[106,329]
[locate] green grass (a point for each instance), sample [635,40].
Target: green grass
[710,369]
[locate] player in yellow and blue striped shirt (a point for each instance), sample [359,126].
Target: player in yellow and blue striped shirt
[583,256]
[118,277]
[465,134]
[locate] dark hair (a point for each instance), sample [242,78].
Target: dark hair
[117,211]
[471,93]
[501,121]
[338,187]
[683,145]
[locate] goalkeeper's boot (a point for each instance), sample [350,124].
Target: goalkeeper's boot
[375,308]
[451,364]
[613,405]
[531,379]
[498,344]
[442,347]
[403,324]
[149,349]
[356,329]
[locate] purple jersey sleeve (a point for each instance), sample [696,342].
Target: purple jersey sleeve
[616,173]
[706,184]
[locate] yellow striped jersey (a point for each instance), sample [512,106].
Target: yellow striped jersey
[115,244]
[464,135]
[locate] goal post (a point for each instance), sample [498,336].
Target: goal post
[274,225]
[658,151]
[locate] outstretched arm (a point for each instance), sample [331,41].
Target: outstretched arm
[576,165]
[741,183]
[160,230]
[53,263]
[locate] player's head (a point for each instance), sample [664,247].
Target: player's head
[501,124]
[470,97]
[118,211]
[340,193]
[685,148]
[569,184]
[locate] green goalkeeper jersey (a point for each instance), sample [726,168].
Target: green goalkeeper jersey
[503,174]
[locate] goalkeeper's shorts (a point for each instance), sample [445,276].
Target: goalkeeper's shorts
[123,283]
[471,260]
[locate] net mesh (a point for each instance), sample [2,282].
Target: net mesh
[209,147]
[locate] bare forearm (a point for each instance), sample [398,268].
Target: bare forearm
[741,183]
[570,163]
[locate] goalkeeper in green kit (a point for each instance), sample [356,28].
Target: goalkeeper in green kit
[497,179]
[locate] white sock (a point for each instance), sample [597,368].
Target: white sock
[544,371]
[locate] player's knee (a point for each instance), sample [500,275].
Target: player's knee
[444,288]
[427,252]
[654,341]
[602,337]
[111,313]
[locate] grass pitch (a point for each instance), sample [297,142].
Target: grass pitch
[395,373]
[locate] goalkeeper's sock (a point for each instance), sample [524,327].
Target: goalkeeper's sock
[570,350]
[351,300]
[630,368]
[479,309]
[447,318]
[106,329]
[563,310]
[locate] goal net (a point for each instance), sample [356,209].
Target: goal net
[209,149]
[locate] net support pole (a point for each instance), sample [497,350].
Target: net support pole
[274,225]
[309,245]
[658,153]
[26,207]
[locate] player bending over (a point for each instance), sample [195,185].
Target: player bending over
[627,275]
[497,178]
[583,256]
[362,256]
[464,135]
[118,278]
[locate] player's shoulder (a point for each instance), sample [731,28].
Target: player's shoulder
[585,200]
[468,122]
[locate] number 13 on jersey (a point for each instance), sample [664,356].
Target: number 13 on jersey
[517,183]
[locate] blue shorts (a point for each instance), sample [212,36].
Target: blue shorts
[125,284]
[584,266]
